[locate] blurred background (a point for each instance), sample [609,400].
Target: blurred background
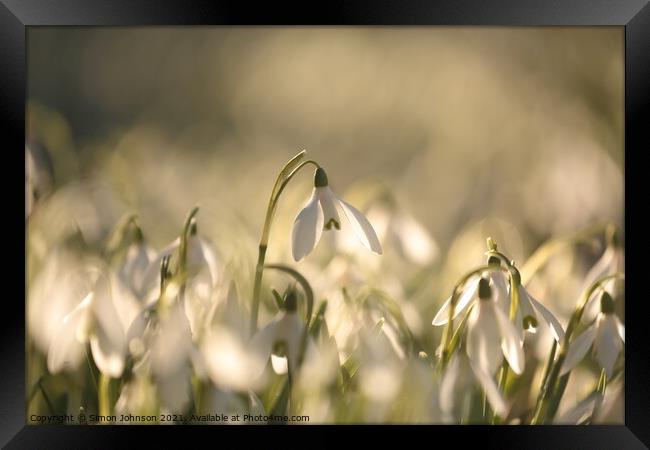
[515,133]
[521,124]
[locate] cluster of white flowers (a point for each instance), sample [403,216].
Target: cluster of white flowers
[167,331]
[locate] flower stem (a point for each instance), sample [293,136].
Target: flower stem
[552,392]
[104,395]
[286,174]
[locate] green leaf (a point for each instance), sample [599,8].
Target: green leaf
[319,320]
[351,366]
[281,406]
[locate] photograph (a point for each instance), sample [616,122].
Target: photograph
[248,225]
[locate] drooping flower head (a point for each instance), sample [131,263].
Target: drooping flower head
[321,212]
[499,285]
[606,335]
[611,261]
[491,336]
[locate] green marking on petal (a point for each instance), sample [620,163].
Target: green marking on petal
[530,322]
[280,348]
[332,222]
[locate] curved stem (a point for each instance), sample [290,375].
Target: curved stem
[286,174]
[287,179]
[447,334]
[551,395]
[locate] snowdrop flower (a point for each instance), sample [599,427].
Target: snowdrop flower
[134,267]
[203,267]
[321,213]
[461,374]
[282,338]
[611,261]
[490,335]
[500,292]
[606,335]
[171,357]
[101,319]
[55,291]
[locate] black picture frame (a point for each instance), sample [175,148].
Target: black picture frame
[634,15]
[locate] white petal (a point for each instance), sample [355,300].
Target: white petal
[125,304]
[289,330]
[491,390]
[362,228]
[328,203]
[551,320]
[108,342]
[602,267]
[211,259]
[621,329]
[413,240]
[526,306]
[450,380]
[109,359]
[135,266]
[307,228]
[605,265]
[578,349]
[170,350]
[279,364]
[483,339]
[175,390]
[469,293]
[510,342]
[501,290]
[261,344]
[228,362]
[66,349]
[607,343]
[382,219]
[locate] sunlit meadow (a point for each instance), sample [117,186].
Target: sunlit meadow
[325,225]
